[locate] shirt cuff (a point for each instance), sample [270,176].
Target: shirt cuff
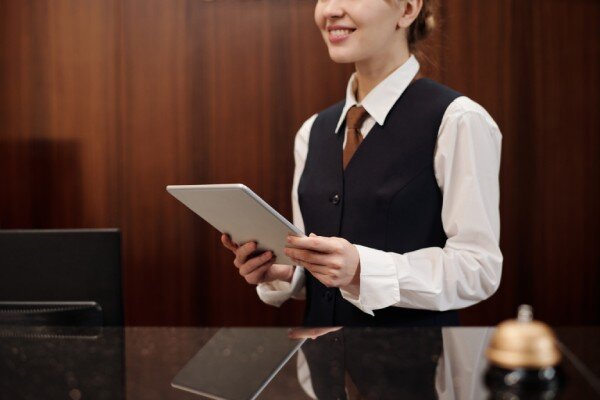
[379,280]
[277,292]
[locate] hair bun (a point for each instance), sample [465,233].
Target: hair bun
[424,24]
[430,23]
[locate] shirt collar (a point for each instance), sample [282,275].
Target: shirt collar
[382,98]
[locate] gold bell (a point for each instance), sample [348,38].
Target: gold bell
[523,343]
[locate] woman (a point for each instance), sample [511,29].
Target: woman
[397,186]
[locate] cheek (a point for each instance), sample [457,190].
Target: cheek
[381,35]
[319,20]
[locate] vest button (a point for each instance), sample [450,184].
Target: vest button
[335,199]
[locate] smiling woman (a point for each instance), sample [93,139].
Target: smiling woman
[374,29]
[397,185]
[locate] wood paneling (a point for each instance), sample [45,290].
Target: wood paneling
[478,62]
[58,116]
[208,96]
[535,70]
[104,103]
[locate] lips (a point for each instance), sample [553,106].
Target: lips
[338,34]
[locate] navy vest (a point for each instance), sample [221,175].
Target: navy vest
[387,198]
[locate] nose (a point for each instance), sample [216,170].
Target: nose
[333,8]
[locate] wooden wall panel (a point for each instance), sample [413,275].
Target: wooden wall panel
[154,149]
[565,126]
[478,57]
[535,70]
[217,99]
[58,114]
[104,103]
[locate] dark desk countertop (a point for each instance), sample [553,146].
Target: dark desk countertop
[141,362]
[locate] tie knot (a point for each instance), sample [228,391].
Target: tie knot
[355,117]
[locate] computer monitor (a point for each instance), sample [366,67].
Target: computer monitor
[63,267]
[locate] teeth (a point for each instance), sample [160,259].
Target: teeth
[341,32]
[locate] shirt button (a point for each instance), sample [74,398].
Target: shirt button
[335,199]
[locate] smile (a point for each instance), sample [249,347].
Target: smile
[339,34]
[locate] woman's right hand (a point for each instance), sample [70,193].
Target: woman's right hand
[257,268]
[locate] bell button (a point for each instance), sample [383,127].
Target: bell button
[335,199]
[524,358]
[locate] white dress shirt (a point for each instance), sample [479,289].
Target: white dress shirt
[466,164]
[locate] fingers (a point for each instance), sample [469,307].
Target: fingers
[226,240]
[308,256]
[323,266]
[256,276]
[304,333]
[313,333]
[315,243]
[313,268]
[253,269]
[256,262]
[242,253]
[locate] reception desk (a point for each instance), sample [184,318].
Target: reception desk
[141,363]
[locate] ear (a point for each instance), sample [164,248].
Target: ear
[410,10]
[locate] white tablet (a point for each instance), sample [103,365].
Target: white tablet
[236,210]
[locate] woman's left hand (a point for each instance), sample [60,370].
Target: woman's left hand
[332,260]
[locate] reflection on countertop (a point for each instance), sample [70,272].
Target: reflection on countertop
[141,362]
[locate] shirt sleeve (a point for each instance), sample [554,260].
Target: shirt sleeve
[468,268]
[277,292]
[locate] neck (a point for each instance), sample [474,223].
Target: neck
[370,73]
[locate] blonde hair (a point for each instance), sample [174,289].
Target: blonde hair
[422,27]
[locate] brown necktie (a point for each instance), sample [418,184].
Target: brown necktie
[354,119]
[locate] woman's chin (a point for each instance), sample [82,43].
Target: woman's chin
[341,57]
